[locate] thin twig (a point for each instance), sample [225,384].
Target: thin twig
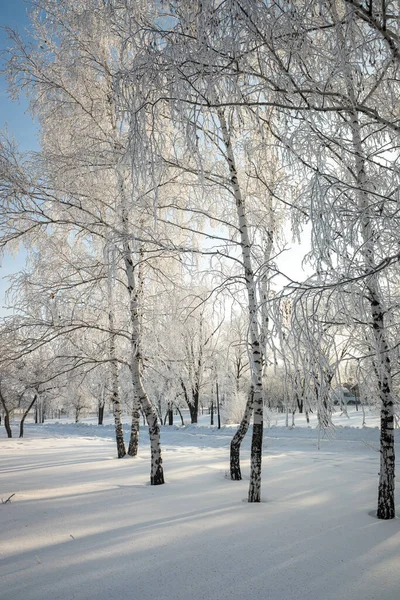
[8,499]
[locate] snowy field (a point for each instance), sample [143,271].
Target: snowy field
[83,525]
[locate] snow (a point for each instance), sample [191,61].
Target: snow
[84,525]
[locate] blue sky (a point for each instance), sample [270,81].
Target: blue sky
[13,13]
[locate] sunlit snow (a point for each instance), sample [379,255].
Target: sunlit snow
[85,525]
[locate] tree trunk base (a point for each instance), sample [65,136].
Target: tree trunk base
[386,513]
[133,447]
[386,507]
[121,452]
[134,438]
[8,426]
[256,458]
[236,474]
[158,477]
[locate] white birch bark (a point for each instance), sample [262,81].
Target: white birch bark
[135,417]
[235,471]
[386,486]
[254,494]
[156,470]
[135,427]
[115,397]
[237,439]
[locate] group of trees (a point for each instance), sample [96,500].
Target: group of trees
[181,142]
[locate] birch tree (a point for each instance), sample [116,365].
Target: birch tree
[71,73]
[216,128]
[349,148]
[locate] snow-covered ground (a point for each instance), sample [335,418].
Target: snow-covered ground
[84,525]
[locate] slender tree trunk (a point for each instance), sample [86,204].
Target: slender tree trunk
[156,470]
[255,341]
[21,425]
[212,413]
[170,414]
[101,406]
[6,416]
[191,402]
[135,428]
[299,397]
[194,405]
[7,425]
[100,414]
[180,414]
[135,423]
[193,413]
[386,486]
[115,398]
[237,439]
[218,407]
[386,498]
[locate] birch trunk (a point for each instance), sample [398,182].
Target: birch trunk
[135,424]
[178,410]
[7,425]
[255,342]
[6,416]
[115,398]
[156,470]
[193,409]
[21,425]
[237,439]
[100,414]
[170,415]
[101,406]
[386,486]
